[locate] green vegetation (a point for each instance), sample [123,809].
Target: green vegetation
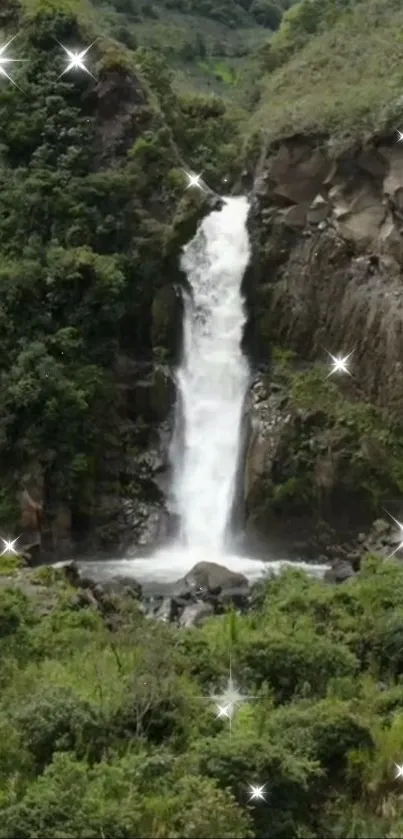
[333,67]
[206,43]
[106,725]
[86,223]
[338,447]
[119,721]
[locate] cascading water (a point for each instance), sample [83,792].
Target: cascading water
[213,377]
[212,381]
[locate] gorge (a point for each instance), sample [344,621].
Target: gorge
[212,383]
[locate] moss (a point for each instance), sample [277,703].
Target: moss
[292,491]
[11,564]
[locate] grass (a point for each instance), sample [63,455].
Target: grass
[346,82]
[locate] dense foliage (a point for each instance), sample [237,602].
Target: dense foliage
[91,180]
[207,43]
[230,12]
[108,729]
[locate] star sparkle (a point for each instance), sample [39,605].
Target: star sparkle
[5,60]
[399,771]
[193,180]
[229,701]
[225,711]
[400,545]
[76,60]
[257,793]
[400,137]
[340,365]
[9,546]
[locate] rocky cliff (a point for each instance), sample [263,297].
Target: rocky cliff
[326,276]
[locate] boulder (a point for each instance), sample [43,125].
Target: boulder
[120,585]
[196,614]
[340,571]
[298,172]
[214,578]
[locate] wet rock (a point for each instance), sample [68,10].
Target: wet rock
[239,597]
[318,211]
[166,320]
[213,578]
[120,585]
[103,593]
[196,614]
[72,573]
[182,590]
[296,217]
[167,610]
[152,396]
[340,571]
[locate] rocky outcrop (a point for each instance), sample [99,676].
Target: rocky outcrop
[325,276]
[328,238]
[317,466]
[207,590]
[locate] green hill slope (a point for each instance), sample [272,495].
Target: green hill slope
[206,43]
[334,67]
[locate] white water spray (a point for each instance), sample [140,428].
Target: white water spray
[213,377]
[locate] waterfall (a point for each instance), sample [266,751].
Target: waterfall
[213,377]
[212,381]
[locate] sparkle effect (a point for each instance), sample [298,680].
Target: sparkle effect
[76,60]
[339,364]
[228,702]
[399,771]
[400,545]
[257,793]
[4,60]
[194,180]
[400,137]
[8,546]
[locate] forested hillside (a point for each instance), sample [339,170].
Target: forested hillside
[206,43]
[92,188]
[333,68]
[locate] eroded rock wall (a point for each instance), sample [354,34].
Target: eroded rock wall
[326,275]
[329,255]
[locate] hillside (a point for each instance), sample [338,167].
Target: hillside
[93,211]
[206,44]
[333,68]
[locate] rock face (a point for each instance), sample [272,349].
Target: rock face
[328,237]
[340,571]
[147,395]
[325,275]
